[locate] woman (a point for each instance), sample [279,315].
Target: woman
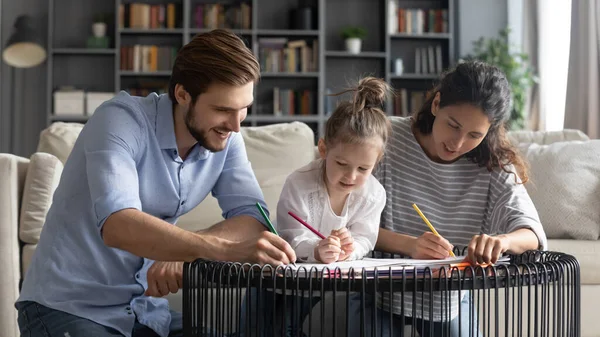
[453,159]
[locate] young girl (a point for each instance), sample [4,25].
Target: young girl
[336,194]
[453,159]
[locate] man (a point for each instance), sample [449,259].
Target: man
[138,164]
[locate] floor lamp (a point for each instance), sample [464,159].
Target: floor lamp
[24,49]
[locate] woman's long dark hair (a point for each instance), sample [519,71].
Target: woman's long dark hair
[484,86]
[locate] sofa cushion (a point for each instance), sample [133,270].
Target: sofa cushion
[42,179]
[274,151]
[26,257]
[59,138]
[546,137]
[565,187]
[587,254]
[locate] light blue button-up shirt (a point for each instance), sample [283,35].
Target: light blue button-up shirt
[126,157]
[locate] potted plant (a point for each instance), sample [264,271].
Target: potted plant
[353,36]
[520,75]
[99,25]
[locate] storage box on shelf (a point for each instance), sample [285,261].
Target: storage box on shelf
[69,102]
[94,99]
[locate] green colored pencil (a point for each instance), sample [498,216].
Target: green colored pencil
[262,211]
[271,228]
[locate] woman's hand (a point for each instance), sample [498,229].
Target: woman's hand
[430,246]
[328,250]
[346,242]
[486,249]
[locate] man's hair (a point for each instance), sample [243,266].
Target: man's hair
[218,56]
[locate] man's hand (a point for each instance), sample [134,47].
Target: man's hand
[346,241]
[430,246]
[265,248]
[486,249]
[164,278]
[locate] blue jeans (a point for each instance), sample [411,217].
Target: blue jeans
[271,316]
[456,328]
[275,312]
[36,320]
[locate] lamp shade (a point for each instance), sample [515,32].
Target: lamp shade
[24,48]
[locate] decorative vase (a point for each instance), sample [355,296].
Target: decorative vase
[353,45]
[99,29]
[398,67]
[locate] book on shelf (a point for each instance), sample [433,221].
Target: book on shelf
[147,58]
[419,20]
[438,59]
[428,60]
[292,102]
[228,16]
[147,16]
[408,101]
[290,56]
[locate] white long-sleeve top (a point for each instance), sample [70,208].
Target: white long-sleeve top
[305,194]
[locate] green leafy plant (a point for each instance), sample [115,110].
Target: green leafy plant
[497,51]
[354,32]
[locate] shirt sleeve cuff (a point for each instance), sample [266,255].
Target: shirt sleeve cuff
[113,202]
[537,229]
[253,212]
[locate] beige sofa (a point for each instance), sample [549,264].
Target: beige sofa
[565,188]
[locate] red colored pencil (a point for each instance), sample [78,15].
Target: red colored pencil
[307,225]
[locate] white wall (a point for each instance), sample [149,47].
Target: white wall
[478,18]
[515,22]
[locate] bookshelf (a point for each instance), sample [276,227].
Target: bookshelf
[324,65]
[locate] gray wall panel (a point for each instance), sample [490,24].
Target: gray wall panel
[29,117]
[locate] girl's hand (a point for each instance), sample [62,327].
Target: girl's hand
[486,249]
[430,246]
[328,250]
[346,242]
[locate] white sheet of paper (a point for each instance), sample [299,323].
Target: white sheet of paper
[370,263]
[345,265]
[427,262]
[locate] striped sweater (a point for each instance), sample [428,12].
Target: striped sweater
[460,199]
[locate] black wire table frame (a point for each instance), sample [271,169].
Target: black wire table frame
[536,294]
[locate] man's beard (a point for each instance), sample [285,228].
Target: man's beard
[199,135]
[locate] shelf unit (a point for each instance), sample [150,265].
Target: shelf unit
[403,45]
[70,63]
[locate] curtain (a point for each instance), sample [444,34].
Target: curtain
[583,86]
[529,22]
[545,33]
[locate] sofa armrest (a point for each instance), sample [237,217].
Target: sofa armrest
[13,171]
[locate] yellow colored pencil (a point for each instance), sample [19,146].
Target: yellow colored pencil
[429,224]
